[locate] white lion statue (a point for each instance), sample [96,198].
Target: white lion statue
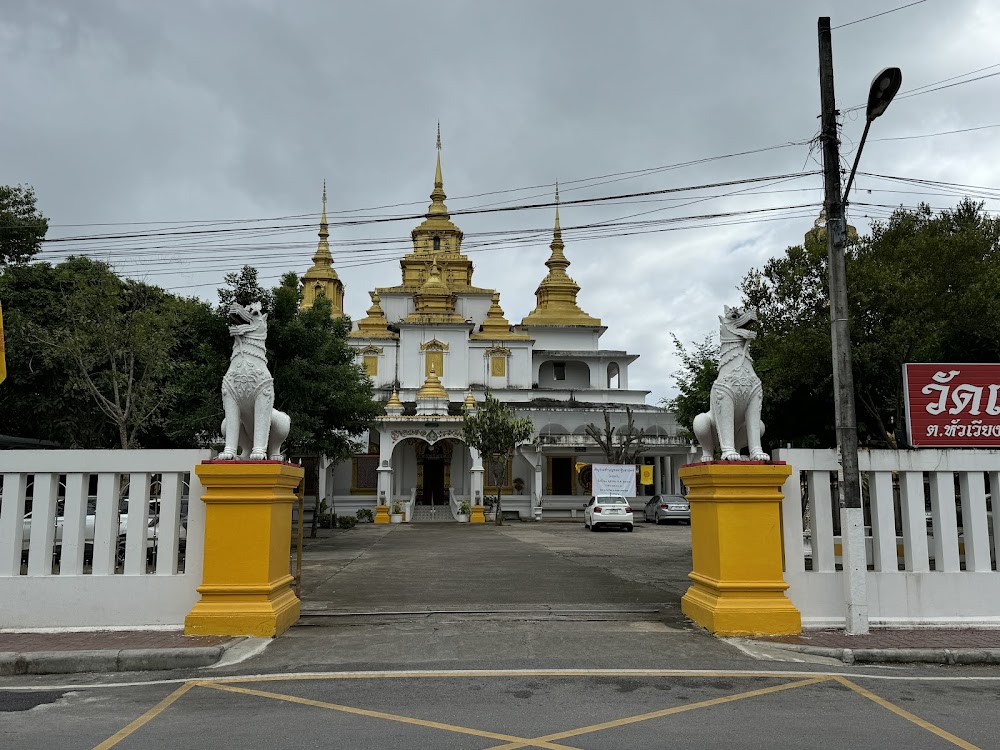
[733,419]
[253,429]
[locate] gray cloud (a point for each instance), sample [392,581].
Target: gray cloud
[149,112]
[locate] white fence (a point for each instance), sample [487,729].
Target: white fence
[924,566]
[100,539]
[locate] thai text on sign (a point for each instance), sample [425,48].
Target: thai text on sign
[614,479]
[953,405]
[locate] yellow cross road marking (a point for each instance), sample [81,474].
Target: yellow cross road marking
[664,712]
[146,717]
[519,741]
[957,741]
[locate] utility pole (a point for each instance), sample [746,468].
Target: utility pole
[853,554]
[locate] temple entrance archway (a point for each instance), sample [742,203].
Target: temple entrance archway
[434,480]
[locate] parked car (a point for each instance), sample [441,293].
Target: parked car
[608,510]
[663,508]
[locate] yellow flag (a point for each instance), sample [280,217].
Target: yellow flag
[646,474]
[3,357]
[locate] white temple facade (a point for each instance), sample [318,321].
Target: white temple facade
[435,342]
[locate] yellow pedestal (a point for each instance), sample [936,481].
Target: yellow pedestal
[381,514]
[478,514]
[738,586]
[246,584]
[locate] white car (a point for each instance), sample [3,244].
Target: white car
[608,510]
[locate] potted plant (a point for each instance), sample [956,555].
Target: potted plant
[396,515]
[463,511]
[489,505]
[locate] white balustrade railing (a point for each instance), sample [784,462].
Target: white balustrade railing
[99,538]
[924,567]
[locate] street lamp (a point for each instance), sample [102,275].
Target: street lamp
[855,560]
[884,87]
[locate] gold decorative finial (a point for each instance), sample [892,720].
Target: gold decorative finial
[439,136]
[558,228]
[322,220]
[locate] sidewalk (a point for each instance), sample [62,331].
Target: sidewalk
[909,645]
[107,651]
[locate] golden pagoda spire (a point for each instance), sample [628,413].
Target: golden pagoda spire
[322,278]
[394,400]
[437,207]
[324,229]
[556,294]
[375,325]
[496,326]
[432,387]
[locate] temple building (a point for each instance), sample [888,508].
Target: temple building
[434,343]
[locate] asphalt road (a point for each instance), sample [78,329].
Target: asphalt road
[412,638]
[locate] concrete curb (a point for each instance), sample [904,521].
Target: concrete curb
[110,660]
[895,655]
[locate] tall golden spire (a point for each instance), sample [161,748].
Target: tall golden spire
[322,278]
[324,228]
[437,207]
[556,294]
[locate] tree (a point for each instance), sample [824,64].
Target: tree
[82,340]
[495,432]
[922,288]
[120,335]
[700,368]
[22,226]
[629,445]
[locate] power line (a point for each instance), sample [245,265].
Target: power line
[931,135]
[415,217]
[883,13]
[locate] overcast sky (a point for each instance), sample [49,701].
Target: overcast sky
[122,113]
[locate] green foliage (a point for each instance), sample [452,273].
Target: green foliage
[243,288]
[464,508]
[22,226]
[346,522]
[365,515]
[83,342]
[495,432]
[921,288]
[700,368]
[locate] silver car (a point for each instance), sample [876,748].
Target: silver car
[662,508]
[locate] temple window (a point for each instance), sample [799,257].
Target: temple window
[614,381]
[559,370]
[437,244]
[498,366]
[371,364]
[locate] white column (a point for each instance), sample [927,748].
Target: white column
[476,478]
[385,446]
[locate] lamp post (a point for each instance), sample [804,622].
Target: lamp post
[855,562]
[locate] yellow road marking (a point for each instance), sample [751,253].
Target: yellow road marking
[664,712]
[957,741]
[519,741]
[145,718]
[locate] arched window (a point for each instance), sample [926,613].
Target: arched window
[437,244]
[614,381]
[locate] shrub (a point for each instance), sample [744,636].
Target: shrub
[365,515]
[346,522]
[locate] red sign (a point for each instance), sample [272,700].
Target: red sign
[953,405]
